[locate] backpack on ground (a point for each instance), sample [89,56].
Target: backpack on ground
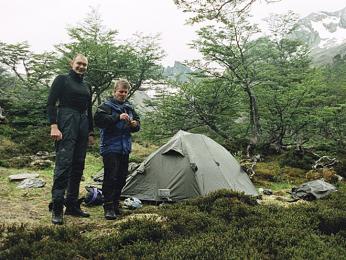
[94,196]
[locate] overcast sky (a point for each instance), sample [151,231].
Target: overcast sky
[43,23]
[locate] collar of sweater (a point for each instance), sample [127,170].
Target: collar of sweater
[76,76]
[117,102]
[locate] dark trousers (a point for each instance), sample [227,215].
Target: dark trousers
[115,172]
[70,154]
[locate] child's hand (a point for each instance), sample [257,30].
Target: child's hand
[133,123]
[124,116]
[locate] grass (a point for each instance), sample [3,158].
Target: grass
[141,151]
[31,205]
[280,186]
[270,174]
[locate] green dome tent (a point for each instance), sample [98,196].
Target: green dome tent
[188,165]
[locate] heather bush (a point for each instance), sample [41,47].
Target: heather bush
[222,225]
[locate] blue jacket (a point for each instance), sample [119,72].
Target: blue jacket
[115,133]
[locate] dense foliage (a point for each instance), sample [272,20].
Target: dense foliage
[257,93]
[25,78]
[252,94]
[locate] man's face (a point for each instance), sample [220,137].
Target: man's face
[120,94]
[79,65]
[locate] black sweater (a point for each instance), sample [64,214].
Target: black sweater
[70,91]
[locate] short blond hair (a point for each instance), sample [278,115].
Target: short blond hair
[123,83]
[79,55]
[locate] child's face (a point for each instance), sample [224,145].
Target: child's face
[120,93]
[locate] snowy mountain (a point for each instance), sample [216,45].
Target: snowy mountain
[325,33]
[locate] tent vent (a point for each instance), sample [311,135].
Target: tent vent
[194,167]
[164,193]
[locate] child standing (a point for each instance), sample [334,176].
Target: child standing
[116,119]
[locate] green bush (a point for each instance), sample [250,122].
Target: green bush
[332,222]
[340,168]
[297,159]
[205,203]
[17,162]
[140,230]
[188,220]
[222,225]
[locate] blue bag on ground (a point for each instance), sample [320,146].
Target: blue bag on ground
[94,196]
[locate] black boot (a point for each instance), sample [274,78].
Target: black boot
[109,211]
[117,207]
[57,213]
[73,209]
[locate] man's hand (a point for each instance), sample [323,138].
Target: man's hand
[55,133]
[91,140]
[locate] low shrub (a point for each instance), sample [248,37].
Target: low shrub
[332,222]
[297,159]
[16,162]
[8,148]
[148,229]
[205,203]
[26,141]
[222,225]
[340,167]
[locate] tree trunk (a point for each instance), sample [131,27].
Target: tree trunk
[2,117]
[254,121]
[96,96]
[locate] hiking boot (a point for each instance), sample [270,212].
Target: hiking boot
[73,209]
[116,208]
[109,211]
[57,213]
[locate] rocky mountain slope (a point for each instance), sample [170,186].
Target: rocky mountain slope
[325,33]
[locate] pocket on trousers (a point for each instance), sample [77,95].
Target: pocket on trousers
[66,124]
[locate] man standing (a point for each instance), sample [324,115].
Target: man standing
[71,127]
